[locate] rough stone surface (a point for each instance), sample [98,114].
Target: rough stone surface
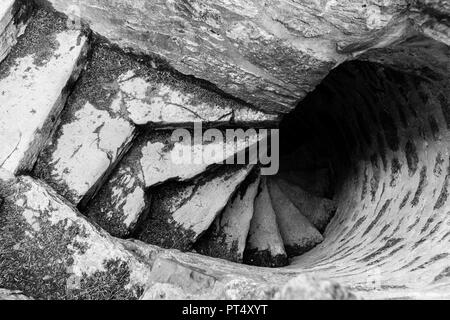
[177,275]
[387,140]
[49,251]
[317,182]
[227,237]
[299,235]
[116,92]
[307,287]
[264,243]
[318,211]
[92,136]
[259,51]
[13,19]
[121,200]
[190,276]
[381,126]
[33,85]
[161,103]
[181,212]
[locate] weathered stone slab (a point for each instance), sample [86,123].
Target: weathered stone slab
[189,280]
[299,235]
[173,102]
[181,212]
[227,236]
[85,148]
[319,211]
[50,251]
[33,83]
[13,18]
[94,132]
[267,53]
[264,243]
[121,200]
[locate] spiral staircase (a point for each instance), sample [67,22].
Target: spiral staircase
[85,128]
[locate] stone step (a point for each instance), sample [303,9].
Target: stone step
[93,135]
[227,236]
[121,200]
[6,13]
[182,211]
[34,83]
[319,211]
[264,243]
[50,251]
[145,94]
[299,235]
[317,182]
[13,19]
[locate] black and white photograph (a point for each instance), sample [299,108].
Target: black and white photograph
[226,154]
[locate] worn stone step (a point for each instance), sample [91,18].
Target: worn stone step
[299,235]
[50,251]
[85,148]
[34,83]
[317,182]
[121,200]
[13,19]
[6,13]
[265,246]
[182,211]
[319,211]
[304,158]
[227,236]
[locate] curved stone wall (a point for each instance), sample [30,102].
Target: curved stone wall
[386,135]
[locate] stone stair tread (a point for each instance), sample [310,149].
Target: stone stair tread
[181,212]
[33,85]
[13,16]
[319,211]
[173,103]
[92,136]
[265,246]
[299,235]
[316,182]
[122,198]
[227,236]
[6,13]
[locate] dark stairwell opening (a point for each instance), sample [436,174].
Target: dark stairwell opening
[372,139]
